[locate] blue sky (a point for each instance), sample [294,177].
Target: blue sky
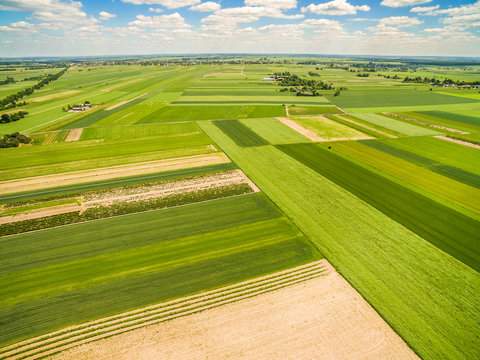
[114,27]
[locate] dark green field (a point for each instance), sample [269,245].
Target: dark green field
[447,229]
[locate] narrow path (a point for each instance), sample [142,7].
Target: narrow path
[460,142]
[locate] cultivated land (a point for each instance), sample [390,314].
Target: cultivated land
[315,316]
[191,184]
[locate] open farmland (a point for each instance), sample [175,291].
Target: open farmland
[190,184]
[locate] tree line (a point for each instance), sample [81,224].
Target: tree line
[6,118]
[438,82]
[13,140]
[11,100]
[8,80]
[301,86]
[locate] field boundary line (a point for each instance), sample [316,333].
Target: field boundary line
[456,141]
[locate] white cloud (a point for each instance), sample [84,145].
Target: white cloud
[335,7]
[401,3]
[459,10]
[422,9]
[400,21]
[279,4]
[66,13]
[172,21]
[157,10]
[322,24]
[206,7]
[462,19]
[103,15]
[169,4]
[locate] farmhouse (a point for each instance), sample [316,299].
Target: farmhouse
[81,107]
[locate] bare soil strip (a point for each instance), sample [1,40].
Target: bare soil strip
[426,123]
[82,176]
[367,127]
[460,142]
[56,95]
[36,214]
[123,102]
[74,135]
[77,335]
[321,317]
[145,193]
[137,194]
[309,134]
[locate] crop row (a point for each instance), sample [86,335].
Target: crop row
[55,342]
[124,208]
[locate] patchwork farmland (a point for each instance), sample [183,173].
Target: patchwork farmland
[193,201]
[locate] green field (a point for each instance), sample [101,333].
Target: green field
[220,112]
[326,128]
[402,127]
[392,98]
[411,283]
[177,252]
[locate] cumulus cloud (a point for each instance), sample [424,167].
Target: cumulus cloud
[103,15]
[157,10]
[169,4]
[208,6]
[279,4]
[400,21]
[422,9]
[49,10]
[335,7]
[172,21]
[401,3]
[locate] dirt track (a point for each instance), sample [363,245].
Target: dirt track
[82,176]
[320,318]
[123,102]
[460,142]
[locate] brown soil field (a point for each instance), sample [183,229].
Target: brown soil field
[123,102]
[460,142]
[36,214]
[320,318]
[82,176]
[74,135]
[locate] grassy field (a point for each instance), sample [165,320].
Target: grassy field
[274,131]
[396,125]
[326,128]
[240,133]
[185,250]
[423,293]
[392,98]
[220,112]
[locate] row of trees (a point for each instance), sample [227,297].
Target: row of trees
[302,86]
[13,140]
[438,82]
[8,80]
[11,100]
[6,118]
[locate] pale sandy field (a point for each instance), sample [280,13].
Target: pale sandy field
[320,318]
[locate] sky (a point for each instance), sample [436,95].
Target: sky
[141,27]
